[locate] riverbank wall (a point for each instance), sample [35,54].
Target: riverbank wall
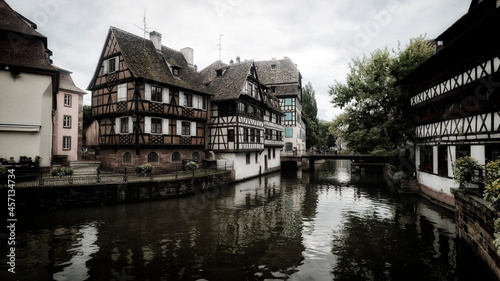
[475,219]
[54,197]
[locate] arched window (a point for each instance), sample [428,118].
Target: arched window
[127,158]
[251,110]
[152,157]
[176,156]
[195,156]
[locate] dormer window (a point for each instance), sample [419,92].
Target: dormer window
[219,72]
[175,71]
[273,66]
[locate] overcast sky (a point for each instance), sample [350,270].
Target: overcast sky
[320,36]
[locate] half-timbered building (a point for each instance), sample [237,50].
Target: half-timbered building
[285,82]
[245,119]
[455,99]
[150,103]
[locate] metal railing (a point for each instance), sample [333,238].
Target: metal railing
[103,177]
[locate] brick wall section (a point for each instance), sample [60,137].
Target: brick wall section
[475,225]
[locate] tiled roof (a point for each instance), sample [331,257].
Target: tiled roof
[230,84]
[210,72]
[66,82]
[285,71]
[20,44]
[10,20]
[145,61]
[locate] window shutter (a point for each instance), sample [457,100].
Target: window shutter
[130,125]
[147,91]
[181,98]
[122,92]
[193,129]
[147,125]
[117,125]
[117,63]
[105,65]
[179,127]
[166,95]
[164,126]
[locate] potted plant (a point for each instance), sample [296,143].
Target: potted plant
[191,166]
[61,171]
[144,169]
[466,170]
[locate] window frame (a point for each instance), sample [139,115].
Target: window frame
[68,100]
[66,143]
[185,128]
[156,126]
[156,92]
[124,125]
[153,157]
[67,121]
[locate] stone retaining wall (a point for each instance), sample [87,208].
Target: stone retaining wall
[112,193]
[475,225]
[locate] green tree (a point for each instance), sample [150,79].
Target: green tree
[310,112]
[326,138]
[374,119]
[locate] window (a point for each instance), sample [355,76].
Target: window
[195,156]
[175,71]
[443,160]
[273,66]
[185,129]
[258,136]
[248,158]
[245,135]
[67,121]
[251,110]
[274,153]
[66,143]
[124,125]
[288,116]
[67,100]
[288,132]
[176,156]
[188,100]
[127,158]
[230,135]
[112,65]
[288,101]
[156,125]
[156,94]
[256,158]
[204,103]
[252,135]
[426,158]
[152,157]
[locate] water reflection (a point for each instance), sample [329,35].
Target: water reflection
[326,225]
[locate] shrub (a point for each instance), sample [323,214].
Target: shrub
[465,169]
[144,169]
[61,171]
[191,166]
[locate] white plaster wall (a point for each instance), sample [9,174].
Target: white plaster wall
[26,100]
[244,170]
[436,182]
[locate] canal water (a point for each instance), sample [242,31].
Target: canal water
[325,225]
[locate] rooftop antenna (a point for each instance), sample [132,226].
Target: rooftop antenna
[220,46]
[145,28]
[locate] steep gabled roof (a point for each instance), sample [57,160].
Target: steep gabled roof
[20,43]
[145,61]
[230,84]
[285,71]
[209,73]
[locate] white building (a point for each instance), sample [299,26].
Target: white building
[28,87]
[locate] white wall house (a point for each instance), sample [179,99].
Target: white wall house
[28,86]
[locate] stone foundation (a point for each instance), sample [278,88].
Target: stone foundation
[475,225]
[114,160]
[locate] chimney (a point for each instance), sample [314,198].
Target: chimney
[188,55]
[156,39]
[237,59]
[231,62]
